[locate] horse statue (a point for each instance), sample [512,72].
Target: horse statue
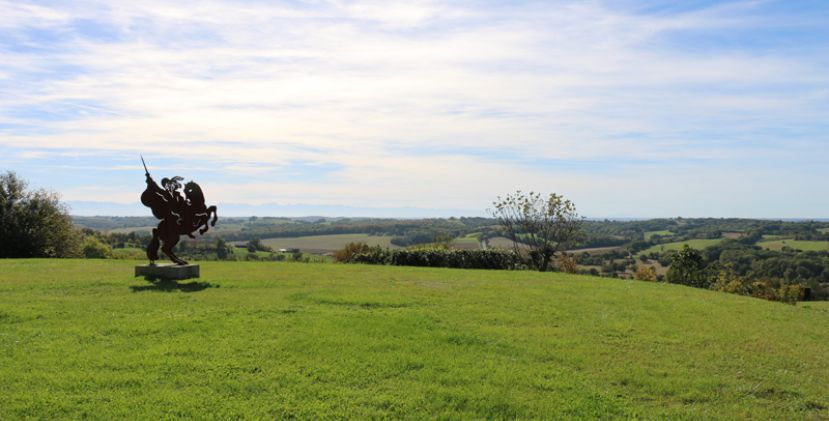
[180,214]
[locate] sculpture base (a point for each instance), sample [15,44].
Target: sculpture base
[175,272]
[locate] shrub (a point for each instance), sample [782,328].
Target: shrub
[346,254]
[729,281]
[645,273]
[789,293]
[438,257]
[566,264]
[93,248]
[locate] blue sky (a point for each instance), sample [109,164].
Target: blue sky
[630,108]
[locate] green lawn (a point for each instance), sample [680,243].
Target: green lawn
[662,233]
[327,243]
[84,339]
[241,251]
[129,253]
[802,245]
[695,244]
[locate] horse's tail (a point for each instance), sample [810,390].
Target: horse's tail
[215,215]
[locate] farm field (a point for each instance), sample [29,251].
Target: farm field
[695,244]
[661,233]
[142,229]
[83,338]
[327,243]
[795,244]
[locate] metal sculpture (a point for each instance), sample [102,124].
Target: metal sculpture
[180,213]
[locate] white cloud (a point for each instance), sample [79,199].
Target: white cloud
[364,85]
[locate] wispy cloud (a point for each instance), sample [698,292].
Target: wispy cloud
[491,96]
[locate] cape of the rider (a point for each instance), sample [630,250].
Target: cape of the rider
[157,199]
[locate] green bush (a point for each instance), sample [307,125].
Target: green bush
[93,248]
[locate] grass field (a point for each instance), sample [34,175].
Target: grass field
[327,243]
[240,251]
[662,233]
[801,245]
[84,339]
[695,244]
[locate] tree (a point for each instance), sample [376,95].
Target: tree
[221,249]
[688,268]
[545,226]
[34,224]
[254,244]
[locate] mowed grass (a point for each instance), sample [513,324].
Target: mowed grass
[802,245]
[328,243]
[84,339]
[698,244]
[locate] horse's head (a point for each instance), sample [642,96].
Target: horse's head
[194,193]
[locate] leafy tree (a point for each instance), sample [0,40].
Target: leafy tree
[254,244]
[545,226]
[221,249]
[688,268]
[34,224]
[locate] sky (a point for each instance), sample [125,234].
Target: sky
[629,108]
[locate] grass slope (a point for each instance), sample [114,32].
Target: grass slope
[276,340]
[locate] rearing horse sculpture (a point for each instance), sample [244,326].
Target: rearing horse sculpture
[179,214]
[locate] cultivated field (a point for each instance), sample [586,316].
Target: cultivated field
[327,243]
[83,339]
[694,244]
[661,233]
[801,245]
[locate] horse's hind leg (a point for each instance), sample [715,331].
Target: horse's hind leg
[152,248]
[168,250]
[168,231]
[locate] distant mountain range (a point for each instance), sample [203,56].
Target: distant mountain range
[81,208]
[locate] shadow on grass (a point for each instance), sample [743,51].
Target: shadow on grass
[169,285]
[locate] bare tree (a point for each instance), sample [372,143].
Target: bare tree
[545,226]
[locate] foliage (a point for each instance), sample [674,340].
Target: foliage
[93,248]
[438,257]
[687,268]
[222,249]
[729,281]
[645,273]
[255,244]
[566,264]
[34,223]
[545,225]
[347,253]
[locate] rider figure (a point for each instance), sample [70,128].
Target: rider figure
[175,198]
[166,200]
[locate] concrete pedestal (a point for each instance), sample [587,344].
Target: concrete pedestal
[167,271]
